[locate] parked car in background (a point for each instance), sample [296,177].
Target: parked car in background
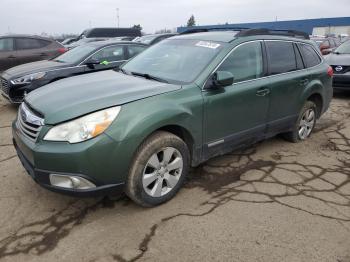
[175,105]
[326,44]
[20,49]
[110,32]
[84,41]
[340,61]
[153,39]
[344,38]
[68,41]
[124,38]
[18,81]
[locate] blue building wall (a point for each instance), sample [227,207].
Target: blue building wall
[300,25]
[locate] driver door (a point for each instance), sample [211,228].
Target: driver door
[237,115]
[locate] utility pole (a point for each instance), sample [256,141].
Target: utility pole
[118,16]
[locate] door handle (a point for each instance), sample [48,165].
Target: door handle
[43,54]
[304,82]
[12,56]
[263,92]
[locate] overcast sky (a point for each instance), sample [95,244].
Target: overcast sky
[73,16]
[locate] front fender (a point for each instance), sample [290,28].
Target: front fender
[139,119]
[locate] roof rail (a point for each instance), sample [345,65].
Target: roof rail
[265,31]
[202,30]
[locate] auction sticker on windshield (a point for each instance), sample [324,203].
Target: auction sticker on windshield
[208,44]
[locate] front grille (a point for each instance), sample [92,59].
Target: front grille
[29,123]
[4,86]
[341,69]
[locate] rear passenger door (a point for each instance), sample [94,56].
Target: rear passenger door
[30,50]
[288,79]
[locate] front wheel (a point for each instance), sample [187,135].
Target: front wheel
[305,123]
[158,170]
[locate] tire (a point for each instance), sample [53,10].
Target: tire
[150,164]
[304,119]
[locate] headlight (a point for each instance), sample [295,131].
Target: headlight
[28,78]
[83,128]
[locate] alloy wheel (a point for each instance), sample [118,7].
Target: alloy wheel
[162,172]
[307,123]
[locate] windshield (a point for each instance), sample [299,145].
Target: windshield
[176,61]
[75,55]
[343,48]
[145,39]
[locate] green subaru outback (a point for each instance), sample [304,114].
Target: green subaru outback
[179,103]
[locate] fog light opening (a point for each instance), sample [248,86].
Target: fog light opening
[70,182]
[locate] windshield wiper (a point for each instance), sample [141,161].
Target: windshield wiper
[151,77]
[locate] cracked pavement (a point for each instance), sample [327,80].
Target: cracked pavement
[275,201]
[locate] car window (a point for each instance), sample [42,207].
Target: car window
[245,62]
[344,48]
[30,43]
[332,43]
[311,58]
[178,61]
[110,54]
[281,57]
[326,43]
[300,64]
[76,55]
[6,44]
[337,42]
[134,50]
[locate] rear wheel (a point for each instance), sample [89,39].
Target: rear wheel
[305,123]
[158,170]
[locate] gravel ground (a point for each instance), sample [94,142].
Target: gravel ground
[276,201]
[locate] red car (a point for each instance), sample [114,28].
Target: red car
[326,44]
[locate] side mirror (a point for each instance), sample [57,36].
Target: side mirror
[92,62]
[222,79]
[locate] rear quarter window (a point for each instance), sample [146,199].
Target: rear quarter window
[310,56]
[281,57]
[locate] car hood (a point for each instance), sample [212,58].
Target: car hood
[76,96]
[341,59]
[34,67]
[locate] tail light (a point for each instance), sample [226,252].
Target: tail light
[62,50]
[330,71]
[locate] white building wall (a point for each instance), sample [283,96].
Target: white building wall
[337,30]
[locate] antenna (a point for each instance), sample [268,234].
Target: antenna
[118,17]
